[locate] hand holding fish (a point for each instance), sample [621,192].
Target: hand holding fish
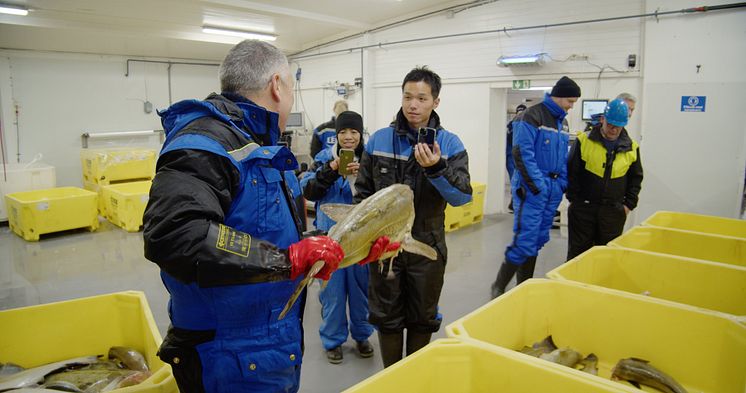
[381,246]
[307,252]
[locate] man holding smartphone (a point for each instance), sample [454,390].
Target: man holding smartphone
[436,175]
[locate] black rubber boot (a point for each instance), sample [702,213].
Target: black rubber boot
[504,275]
[416,340]
[391,347]
[526,270]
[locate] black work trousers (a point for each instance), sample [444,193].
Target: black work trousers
[592,224]
[409,299]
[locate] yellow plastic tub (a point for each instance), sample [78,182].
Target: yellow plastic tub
[112,165]
[470,213]
[721,249]
[36,335]
[94,187]
[124,203]
[703,351]
[708,285]
[455,216]
[34,213]
[698,223]
[451,366]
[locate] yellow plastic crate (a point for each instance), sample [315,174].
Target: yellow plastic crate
[467,214]
[112,165]
[454,217]
[712,225]
[712,286]
[34,213]
[94,187]
[36,335]
[703,351]
[721,249]
[125,203]
[452,366]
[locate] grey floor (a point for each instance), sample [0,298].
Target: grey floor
[79,263]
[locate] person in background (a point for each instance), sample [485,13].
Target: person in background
[325,135]
[604,181]
[630,100]
[509,163]
[221,225]
[409,300]
[348,285]
[540,143]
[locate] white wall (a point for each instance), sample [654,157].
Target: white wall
[60,96]
[468,68]
[694,162]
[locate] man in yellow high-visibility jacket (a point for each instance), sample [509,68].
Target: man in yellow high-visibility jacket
[604,180]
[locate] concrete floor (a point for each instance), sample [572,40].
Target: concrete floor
[79,263]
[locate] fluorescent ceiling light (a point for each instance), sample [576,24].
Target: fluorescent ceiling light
[238,33]
[506,61]
[7,9]
[539,88]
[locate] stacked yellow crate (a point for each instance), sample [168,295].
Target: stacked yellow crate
[460,216]
[121,177]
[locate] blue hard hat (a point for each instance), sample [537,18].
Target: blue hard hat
[617,113]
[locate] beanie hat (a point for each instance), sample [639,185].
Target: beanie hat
[565,87]
[349,119]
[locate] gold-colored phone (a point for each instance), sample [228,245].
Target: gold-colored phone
[346,156]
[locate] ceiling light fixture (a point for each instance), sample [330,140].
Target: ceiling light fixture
[238,33]
[507,61]
[13,10]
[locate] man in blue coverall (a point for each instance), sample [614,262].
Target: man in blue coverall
[222,226]
[509,163]
[540,140]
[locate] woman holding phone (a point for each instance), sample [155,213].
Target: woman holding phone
[333,182]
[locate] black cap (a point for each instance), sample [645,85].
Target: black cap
[349,119]
[565,87]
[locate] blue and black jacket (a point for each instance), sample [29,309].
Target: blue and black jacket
[389,159]
[540,146]
[324,136]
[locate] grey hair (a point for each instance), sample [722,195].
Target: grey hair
[249,66]
[627,97]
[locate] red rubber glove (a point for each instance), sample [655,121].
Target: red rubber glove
[308,251]
[381,246]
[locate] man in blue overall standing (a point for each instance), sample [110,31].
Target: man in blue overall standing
[540,140]
[221,225]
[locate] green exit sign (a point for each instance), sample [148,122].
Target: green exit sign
[521,84]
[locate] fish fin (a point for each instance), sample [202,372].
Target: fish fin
[640,360]
[635,384]
[337,211]
[409,244]
[299,288]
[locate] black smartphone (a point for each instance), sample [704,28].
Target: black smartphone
[427,135]
[346,156]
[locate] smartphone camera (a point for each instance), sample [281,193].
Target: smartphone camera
[426,135]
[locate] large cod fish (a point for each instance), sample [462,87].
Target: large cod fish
[388,212]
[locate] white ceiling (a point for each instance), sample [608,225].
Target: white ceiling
[173,28]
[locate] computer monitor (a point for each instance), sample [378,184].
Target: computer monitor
[592,107]
[295,119]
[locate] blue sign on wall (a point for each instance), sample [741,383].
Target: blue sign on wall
[693,103]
